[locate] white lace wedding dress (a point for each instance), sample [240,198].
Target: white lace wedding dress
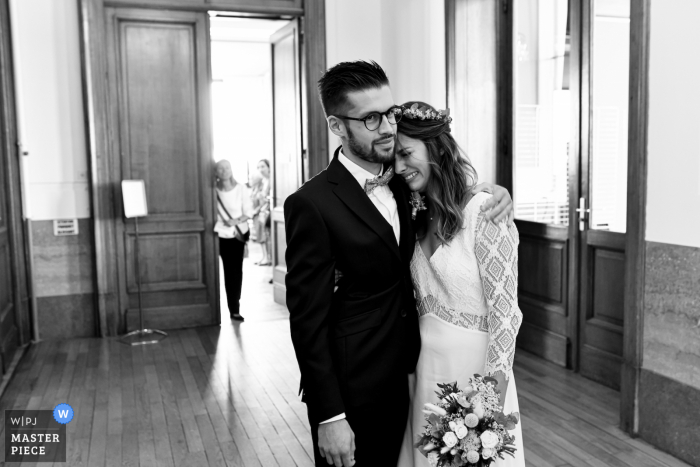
[469,318]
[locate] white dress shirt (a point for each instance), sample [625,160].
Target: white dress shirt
[383,200]
[381,196]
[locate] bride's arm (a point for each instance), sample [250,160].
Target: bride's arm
[496,249]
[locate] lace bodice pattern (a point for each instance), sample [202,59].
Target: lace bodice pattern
[472,282]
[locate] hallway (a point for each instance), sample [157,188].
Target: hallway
[227,396]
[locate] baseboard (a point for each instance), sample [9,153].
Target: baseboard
[7,377]
[668,416]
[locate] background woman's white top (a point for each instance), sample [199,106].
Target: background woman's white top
[237,202]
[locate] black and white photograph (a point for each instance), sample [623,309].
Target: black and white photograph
[350,233]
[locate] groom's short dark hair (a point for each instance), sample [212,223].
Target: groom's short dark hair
[345,77]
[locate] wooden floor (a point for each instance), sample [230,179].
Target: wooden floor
[226,396]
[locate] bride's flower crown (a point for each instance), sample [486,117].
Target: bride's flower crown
[426,113]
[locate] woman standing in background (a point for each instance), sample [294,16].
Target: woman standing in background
[261,201]
[234,208]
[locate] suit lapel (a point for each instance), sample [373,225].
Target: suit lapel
[401,194]
[354,197]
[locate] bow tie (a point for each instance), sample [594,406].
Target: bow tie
[372,183]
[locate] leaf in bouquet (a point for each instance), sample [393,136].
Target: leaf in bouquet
[507,449]
[489,379]
[454,407]
[514,416]
[434,419]
[422,441]
[446,389]
[500,418]
[425,447]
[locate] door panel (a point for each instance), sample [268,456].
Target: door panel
[159,78]
[602,305]
[543,147]
[287,161]
[543,289]
[604,189]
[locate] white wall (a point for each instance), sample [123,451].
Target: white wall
[50,108]
[673,187]
[406,37]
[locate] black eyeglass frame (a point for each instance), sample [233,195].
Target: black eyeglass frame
[396,110]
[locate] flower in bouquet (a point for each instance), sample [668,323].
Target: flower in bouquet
[489,439]
[471,420]
[472,457]
[450,439]
[467,427]
[471,442]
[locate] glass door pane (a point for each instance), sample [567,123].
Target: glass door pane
[610,45]
[542,111]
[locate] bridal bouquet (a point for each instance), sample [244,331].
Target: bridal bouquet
[467,427]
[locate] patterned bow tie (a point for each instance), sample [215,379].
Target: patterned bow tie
[372,183]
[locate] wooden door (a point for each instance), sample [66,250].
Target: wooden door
[570,136]
[159,84]
[602,205]
[545,162]
[14,305]
[287,172]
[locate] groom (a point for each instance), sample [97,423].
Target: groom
[357,342]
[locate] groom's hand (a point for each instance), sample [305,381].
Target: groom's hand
[500,204]
[336,442]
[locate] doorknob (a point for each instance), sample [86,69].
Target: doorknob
[582,213]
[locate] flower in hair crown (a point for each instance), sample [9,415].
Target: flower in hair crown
[426,113]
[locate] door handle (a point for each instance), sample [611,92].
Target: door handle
[582,213]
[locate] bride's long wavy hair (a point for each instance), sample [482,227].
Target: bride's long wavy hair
[452,176]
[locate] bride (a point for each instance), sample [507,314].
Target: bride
[465,274]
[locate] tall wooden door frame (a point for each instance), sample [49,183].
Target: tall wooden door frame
[636,175]
[287,33]
[176,236]
[100,135]
[16,227]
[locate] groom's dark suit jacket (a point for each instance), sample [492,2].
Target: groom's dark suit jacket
[354,346]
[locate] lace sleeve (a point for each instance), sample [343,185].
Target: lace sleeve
[496,248]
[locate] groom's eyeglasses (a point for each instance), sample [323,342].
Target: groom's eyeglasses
[373,120]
